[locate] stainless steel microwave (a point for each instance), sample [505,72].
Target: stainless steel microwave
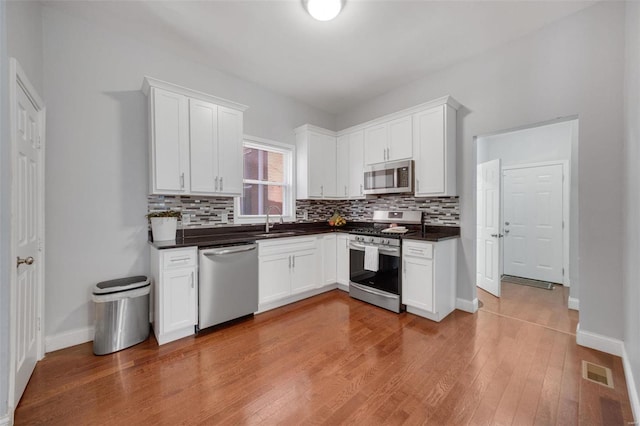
[389,178]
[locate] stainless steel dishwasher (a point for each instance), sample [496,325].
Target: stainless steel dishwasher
[228,284]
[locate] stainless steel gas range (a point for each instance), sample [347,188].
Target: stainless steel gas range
[375,256]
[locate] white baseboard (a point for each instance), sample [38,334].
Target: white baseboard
[68,338]
[599,342]
[5,420]
[470,306]
[631,385]
[263,307]
[343,287]
[574,304]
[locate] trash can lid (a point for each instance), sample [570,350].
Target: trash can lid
[121,284]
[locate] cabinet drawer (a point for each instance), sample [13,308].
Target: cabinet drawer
[418,249]
[286,245]
[179,258]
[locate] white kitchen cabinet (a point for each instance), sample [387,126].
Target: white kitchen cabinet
[329,258]
[350,165]
[216,149]
[389,141]
[289,270]
[175,293]
[169,149]
[196,141]
[316,163]
[429,277]
[342,260]
[434,152]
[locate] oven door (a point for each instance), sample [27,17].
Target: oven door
[386,278]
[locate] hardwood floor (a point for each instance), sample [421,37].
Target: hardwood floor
[332,360]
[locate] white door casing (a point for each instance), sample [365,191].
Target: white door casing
[27,231]
[488,259]
[533,219]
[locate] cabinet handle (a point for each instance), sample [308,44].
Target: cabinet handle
[293,261]
[417,185]
[384,153]
[289,262]
[180,259]
[216,184]
[221,186]
[387,153]
[322,190]
[192,281]
[181,180]
[360,189]
[404,266]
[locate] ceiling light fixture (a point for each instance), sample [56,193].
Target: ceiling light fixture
[323,10]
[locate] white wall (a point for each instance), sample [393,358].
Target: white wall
[24,41]
[571,67]
[631,209]
[5,223]
[96,165]
[549,142]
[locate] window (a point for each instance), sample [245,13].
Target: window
[267,181]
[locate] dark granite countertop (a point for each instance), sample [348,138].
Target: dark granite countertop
[245,234]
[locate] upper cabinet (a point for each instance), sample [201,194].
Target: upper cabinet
[434,152]
[196,141]
[316,163]
[388,141]
[350,163]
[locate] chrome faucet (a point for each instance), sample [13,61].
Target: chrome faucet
[266,224]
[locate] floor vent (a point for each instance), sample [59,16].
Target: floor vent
[597,374]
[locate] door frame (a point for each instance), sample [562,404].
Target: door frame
[566,198]
[18,78]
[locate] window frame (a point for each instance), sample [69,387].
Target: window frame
[289,190]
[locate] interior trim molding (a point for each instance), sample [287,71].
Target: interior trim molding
[599,342]
[632,390]
[5,420]
[470,306]
[343,287]
[68,338]
[573,303]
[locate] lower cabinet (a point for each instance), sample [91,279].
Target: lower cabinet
[174,293]
[292,269]
[342,261]
[429,277]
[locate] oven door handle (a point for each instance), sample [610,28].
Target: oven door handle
[389,250]
[368,290]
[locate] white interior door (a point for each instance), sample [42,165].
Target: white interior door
[27,230]
[533,214]
[488,227]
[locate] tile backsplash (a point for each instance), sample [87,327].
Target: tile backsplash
[212,211]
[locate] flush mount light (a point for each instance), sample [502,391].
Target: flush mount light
[323,10]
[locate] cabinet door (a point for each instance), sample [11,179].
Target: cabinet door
[274,277]
[305,271]
[400,139]
[169,143]
[342,259]
[203,129]
[230,122]
[179,299]
[356,164]
[417,283]
[375,144]
[329,259]
[429,144]
[343,166]
[321,162]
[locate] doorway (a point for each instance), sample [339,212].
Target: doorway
[526,202]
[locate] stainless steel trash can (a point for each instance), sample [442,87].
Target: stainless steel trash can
[122,314]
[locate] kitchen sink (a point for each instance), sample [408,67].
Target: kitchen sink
[277,234]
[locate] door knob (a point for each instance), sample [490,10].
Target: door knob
[27,261]
[506,223]
[506,231]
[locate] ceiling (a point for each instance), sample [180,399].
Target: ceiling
[372,47]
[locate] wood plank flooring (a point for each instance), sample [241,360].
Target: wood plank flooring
[334,360]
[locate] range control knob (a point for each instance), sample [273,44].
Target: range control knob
[384,241]
[371,239]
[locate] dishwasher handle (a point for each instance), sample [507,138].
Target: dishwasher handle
[221,252]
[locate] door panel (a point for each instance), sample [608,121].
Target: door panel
[533,206]
[230,125]
[488,227]
[356,164]
[203,128]
[25,225]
